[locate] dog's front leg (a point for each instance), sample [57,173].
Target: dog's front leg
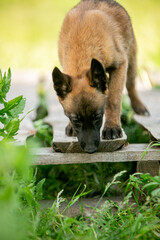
[112,128]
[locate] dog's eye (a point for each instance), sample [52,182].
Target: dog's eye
[76,122]
[98,118]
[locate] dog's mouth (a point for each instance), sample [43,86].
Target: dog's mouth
[89,148]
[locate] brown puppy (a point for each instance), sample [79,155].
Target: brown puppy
[97,50]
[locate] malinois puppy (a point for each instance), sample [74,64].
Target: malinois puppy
[97,50]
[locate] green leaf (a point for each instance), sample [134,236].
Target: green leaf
[151,185]
[39,191]
[7,82]
[2,133]
[1,99]
[14,102]
[1,80]
[11,104]
[12,127]
[44,132]
[2,119]
[9,114]
[156,193]
[26,114]
[5,120]
[1,86]
[18,109]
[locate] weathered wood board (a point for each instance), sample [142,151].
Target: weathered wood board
[133,152]
[151,167]
[152,123]
[64,144]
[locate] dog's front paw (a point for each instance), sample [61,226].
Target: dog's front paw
[70,131]
[112,133]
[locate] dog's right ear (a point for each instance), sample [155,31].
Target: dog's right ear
[98,77]
[62,83]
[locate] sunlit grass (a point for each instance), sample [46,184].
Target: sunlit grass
[29,31]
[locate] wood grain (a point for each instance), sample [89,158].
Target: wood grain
[64,144]
[152,123]
[133,152]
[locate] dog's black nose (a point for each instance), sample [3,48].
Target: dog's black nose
[90,149]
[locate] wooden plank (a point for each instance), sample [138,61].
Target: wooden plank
[64,144]
[152,123]
[133,152]
[151,167]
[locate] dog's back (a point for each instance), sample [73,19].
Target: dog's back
[94,29]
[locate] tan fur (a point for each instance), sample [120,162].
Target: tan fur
[101,31]
[87,39]
[79,88]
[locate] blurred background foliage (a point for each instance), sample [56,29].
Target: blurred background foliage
[29,31]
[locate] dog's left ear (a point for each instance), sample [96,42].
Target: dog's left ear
[62,83]
[98,78]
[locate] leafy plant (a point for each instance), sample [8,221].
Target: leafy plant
[91,175]
[22,216]
[10,110]
[18,193]
[43,134]
[126,220]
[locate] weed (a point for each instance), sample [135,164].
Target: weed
[10,110]
[23,218]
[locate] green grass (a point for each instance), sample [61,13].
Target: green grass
[94,176]
[29,31]
[23,218]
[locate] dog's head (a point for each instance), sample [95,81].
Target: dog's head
[83,99]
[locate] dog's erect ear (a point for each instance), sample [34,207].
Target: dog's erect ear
[62,83]
[98,76]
